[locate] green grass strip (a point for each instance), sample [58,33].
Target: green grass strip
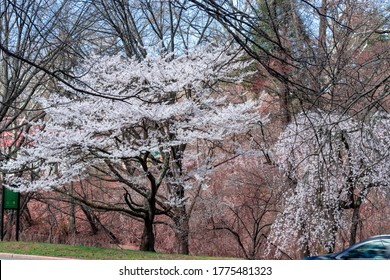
[89,253]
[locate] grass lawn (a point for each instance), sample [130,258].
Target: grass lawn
[90,253]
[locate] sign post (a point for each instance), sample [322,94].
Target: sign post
[10,201]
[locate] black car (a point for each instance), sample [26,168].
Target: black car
[373,248]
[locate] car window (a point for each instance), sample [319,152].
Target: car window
[378,249]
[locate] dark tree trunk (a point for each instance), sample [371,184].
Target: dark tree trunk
[147,239]
[355,221]
[182,232]
[90,218]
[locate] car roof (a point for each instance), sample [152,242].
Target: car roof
[382,236]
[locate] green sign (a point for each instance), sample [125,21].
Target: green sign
[11,199]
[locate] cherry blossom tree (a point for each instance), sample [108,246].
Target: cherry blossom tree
[142,138]
[332,162]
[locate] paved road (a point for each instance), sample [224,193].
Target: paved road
[7,256]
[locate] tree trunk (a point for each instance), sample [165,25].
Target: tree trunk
[182,232]
[72,212]
[147,239]
[355,221]
[90,219]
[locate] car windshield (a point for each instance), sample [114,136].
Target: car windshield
[377,249]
